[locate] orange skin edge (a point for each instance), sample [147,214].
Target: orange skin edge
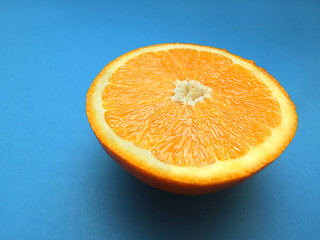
[171,185]
[152,178]
[168,184]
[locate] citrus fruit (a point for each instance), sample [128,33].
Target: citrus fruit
[189,119]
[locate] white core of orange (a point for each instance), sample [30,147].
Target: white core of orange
[190,92]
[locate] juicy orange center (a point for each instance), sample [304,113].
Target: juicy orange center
[189,107]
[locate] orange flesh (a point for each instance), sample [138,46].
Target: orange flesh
[240,114]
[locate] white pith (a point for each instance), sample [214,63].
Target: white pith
[190,92]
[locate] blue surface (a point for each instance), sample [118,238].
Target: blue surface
[56,182]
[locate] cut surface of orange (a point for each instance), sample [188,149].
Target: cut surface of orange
[189,119]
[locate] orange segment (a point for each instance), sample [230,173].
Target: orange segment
[190,119]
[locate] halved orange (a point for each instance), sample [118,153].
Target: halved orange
[189,119]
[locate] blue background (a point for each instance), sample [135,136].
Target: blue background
[56,182]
